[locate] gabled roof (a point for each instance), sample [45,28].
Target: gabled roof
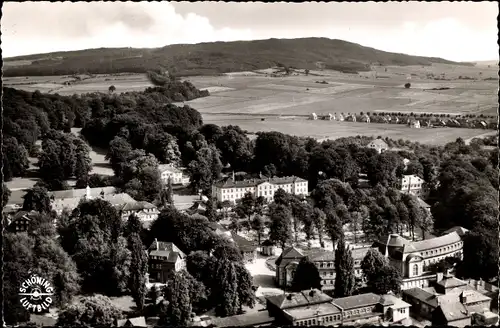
[444,240]
[132,322]
[137,206]
[321,255]
[378,143]
[352,302]
[394,302]
[243,320]
[216,226]
[422,295]
[289,254]
[396,240]
[459,230]
[168,168]
[292,300]
[451,282]
[453,311]
[167,250]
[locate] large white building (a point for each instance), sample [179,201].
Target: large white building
[413,258]
[168,171]
[232,191]
[412,184]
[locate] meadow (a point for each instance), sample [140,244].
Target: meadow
[245,98]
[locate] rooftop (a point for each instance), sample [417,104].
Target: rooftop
[397,303]
[132,322]
[292,300]
[379,143]
[255,182]
[459,230]
[166,250]
[451,282]
[288,255]
[352,302]
[168,168]
[453,311]
[242,320]
[310,311]
[79,193]
[436,242]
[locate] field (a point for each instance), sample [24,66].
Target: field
[245,98]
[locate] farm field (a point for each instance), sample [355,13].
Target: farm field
[323,130]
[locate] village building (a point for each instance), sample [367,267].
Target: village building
[413,123]
[20,221]
[145,211]
[413,258]
[176,176]
[313,116]
[324,260]
[256,319]
[412,184]
[232,190]
[268,248]
[364,118]
[379,145]
[340,117]
[164,260]
[132,322]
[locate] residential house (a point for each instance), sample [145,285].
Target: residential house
[286,264]
[168,171]
[364,118]
[398,311]
[413,123]
[350,118]
[411,184]
[20,221]
[232,190]
[379,145]
[145,211]
[413,258]
[341,117]
[164,259]
[313,116]
[268,248]
[363,308]
[247,248]
[132,322]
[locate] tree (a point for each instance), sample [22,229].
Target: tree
[210,210]
[344,271]
[37,199]
[407,85]
[97,310]
[111,89]
[258,226]
[245,207]
[225,293]
[372,261]
[177,293]
[246,295]
[138,269]
[280,230]
[5,194]
[16,163]
[334,227]
[480,254]
[319,218]
[205,169]
[387,279]
[306,276]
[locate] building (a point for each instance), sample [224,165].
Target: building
[324,260]
[246,247]
[313,116]
[446,291]
[364,118]
[412,184]
[350,118]
[268,248]
[451,314]
[413,123]
[20,221]
[232,190]
[413,258]
[168,171]
[398,310]
[314,308]
[258,319]
[379,145]
[145,211]
[132,322]
[164,259]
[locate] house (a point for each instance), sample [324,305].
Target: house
[350,118]
[268,248]
[412,258]
[168,171]
[413,123]
[313,116]
[364,118]
[132,322]
[451,314]
[20,221]
[232,190]
[164,259]
[286,264]
[411,184]
[327,117]
[70,199]
[247,248]
[398,311]
[340,117]
[379,145]
[363,308]
[145,211]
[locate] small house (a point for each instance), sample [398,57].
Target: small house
[313,117]
[164,260]
[132,322]
[364,118]
[268,248]
[379,145]
[414,124]
[247,249]
[20,221]
[341,117]
[350,118]
[168,171]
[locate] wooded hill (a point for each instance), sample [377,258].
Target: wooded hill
[214,58]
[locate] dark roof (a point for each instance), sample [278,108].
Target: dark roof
[255,182]
[137,206]
[451,282]
[303,298]
[166,250]
[268,242]
[352,302]
[422,295]
[288,255]
[242,320]
[243,244]
[453,311]
[321,255]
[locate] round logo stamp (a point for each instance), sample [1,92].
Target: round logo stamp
[36,294]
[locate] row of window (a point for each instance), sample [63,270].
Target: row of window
[417,185]
[310,322]
[331,264]
[156,266]
[401,310]
[443,249]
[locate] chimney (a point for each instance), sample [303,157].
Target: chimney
[233,176]
[157,245]
[312,292]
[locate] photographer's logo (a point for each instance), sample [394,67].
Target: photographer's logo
[36,294]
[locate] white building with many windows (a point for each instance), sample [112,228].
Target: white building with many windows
[169,171]
[412,184]
[232,191]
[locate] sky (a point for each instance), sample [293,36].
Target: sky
[458,31]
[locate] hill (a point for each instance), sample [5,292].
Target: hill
[214,58]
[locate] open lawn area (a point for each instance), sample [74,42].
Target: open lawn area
[300,126]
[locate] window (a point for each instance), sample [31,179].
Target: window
[415,270]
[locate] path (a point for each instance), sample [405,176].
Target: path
[484,135]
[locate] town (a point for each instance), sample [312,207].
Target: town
[132,208]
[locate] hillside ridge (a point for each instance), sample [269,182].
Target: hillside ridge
[212,58]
